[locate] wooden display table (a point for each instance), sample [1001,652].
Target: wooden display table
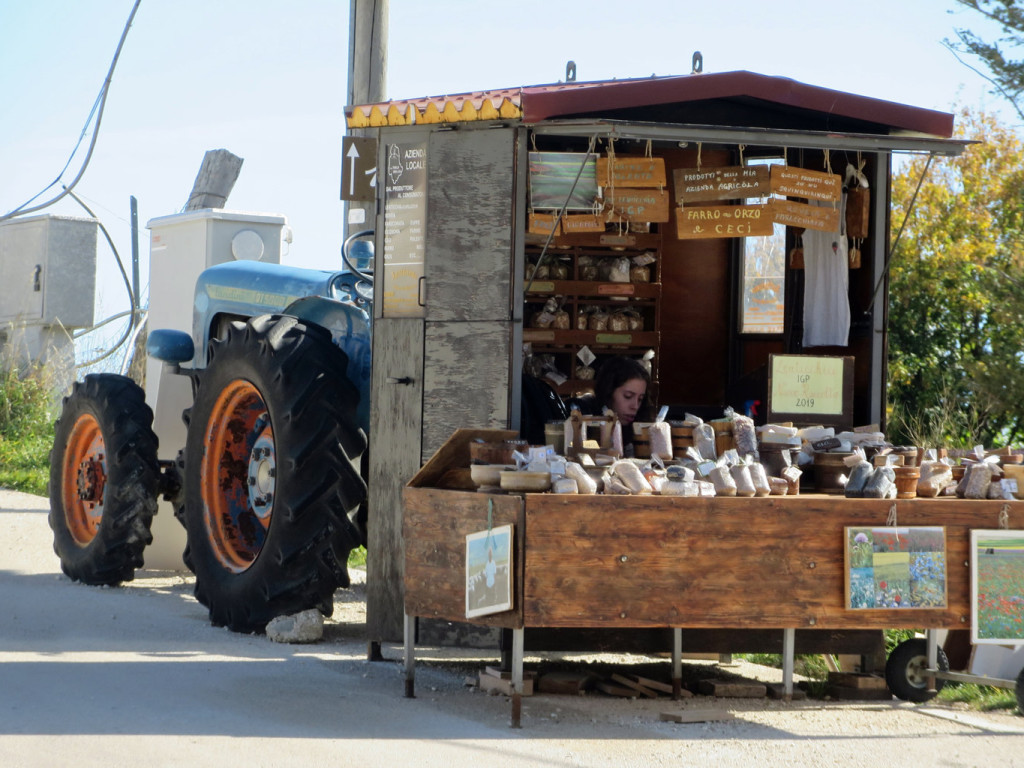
[775,562]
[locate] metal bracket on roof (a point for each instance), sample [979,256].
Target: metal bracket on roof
[570,71]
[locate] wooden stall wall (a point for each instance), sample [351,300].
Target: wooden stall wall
[696,299]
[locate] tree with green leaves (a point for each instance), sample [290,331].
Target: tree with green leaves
[956,312]
[1005,72]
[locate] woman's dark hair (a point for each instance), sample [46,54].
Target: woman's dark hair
[613,373]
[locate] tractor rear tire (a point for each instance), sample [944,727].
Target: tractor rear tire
[103,480]
[271,473]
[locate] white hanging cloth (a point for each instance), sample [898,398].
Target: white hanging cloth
[827,285]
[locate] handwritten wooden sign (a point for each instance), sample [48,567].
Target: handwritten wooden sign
[582,222]
[824,218]
[800,182]
[805,387]
[636,205]
[726,183]
[710,221]
[543,224]
[632,172]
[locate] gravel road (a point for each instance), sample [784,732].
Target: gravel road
[136,675]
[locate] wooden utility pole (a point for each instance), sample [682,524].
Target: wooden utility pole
[367,74]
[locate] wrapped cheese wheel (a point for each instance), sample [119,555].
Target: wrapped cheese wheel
[704,441]
[584,482]
[741,476]
[661,439]
[564,485]
[629,474]
[680,488]
[723,482]
[760,477]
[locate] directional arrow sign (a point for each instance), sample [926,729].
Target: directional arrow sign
[358,169]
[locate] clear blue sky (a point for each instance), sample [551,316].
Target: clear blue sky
[267,80]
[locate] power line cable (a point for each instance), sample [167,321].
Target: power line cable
[97,110]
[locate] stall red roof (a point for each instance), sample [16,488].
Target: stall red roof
[726,98]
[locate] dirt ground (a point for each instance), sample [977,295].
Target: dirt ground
[229,697]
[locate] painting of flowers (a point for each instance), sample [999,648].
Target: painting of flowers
[997,586]
[898,568]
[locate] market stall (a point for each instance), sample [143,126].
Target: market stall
[640,561]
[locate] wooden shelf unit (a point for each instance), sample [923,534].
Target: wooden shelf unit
[576,295]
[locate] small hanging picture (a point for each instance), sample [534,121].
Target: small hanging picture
[895,567]
[489,571]
[997,587]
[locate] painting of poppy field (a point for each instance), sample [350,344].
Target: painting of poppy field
[997,586]
[895,567]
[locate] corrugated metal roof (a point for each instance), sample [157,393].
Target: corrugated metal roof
[742,93]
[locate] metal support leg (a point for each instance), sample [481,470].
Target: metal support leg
[932,652]
[788,659]
[517,677]
[677,663]
[409,631]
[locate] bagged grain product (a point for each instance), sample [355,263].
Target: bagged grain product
[779,486]
[619,271]
[977,479]
[859,476]
[680,488]
[704,441]
[881,484]
[584,482]
[744,435]
[564,485]
[661,439]
[629,474]
[741,476]
[935,477]
[722,481]
[762,486]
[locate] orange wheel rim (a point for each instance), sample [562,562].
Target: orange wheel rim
[238,475]
[84,479]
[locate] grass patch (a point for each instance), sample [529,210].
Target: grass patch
[984,698]
[26,430]
[357,558]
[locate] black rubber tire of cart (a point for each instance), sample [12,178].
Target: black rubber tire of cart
[104,476]
[905,671]
[271,473]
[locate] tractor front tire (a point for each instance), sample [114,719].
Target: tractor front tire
[271,473]
[104,476]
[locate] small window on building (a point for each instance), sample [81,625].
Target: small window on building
[762,309]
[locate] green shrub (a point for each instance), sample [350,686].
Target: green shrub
[26,430]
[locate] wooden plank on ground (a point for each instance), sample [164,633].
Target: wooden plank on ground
[696,716]
[857,680]
[642,690]
[733,689]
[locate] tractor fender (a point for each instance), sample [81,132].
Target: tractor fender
[349,327]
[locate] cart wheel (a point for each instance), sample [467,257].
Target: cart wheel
[1020,693]
[905,671]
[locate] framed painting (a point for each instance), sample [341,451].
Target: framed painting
[900,568]
[489,571]
[997,586]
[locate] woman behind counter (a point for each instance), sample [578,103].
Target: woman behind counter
[620,385]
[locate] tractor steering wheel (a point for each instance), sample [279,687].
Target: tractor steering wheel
[346,255]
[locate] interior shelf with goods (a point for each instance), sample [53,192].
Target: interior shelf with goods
[595,291]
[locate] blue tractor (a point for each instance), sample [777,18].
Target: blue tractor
[270,483]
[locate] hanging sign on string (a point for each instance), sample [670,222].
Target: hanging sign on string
[631,172]
[823,218]
[714,221]
[800,182]
[731,182]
